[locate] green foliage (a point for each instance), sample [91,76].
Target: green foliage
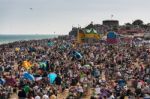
[138,22]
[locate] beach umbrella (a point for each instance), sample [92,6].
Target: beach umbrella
[2,81]
[17,49]
[78,55]
[26,64]
[52,77]
[28,76]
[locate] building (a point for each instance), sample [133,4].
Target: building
[111,23]
[74,31]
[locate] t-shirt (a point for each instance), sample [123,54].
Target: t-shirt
[80,89]
[74,81]
[22,94]
[58,80]
[139,85]
[117,89]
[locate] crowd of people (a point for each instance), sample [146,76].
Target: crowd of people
[99,70]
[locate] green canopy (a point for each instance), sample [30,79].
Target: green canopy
[91,31]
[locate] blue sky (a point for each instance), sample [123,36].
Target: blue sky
[49,16]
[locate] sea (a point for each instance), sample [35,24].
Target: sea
[4,39]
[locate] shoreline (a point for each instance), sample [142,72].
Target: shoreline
[26,40]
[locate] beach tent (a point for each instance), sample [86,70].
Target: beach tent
[92,33]
[26,64]
[52,77]
[77,55]
[28,76]
[111,35]
[112,38]
[2,81]
[88,34]
[50,43]
[11,81]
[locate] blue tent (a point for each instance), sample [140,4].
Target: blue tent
[32,49]
[28,76]
[112,35]
[52,77]
[121,82]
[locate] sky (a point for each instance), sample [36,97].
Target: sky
[59,16]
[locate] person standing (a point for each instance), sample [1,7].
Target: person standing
[22,94]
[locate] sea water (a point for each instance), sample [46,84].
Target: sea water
[12,38]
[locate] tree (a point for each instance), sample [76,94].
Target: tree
[148,24]
[138,22]
[127,24]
